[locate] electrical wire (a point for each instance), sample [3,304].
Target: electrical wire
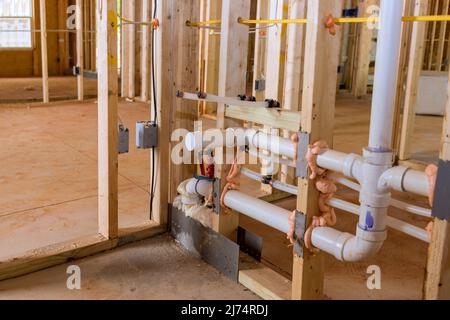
[155,110]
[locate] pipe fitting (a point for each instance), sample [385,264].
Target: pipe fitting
[352,166]
[331,241]
[392,179]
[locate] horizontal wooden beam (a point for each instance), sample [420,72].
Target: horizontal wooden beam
[262,280]
[275,118]
[57,254]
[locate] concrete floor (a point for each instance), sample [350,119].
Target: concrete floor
[48,177]
[156,269]
[48,182]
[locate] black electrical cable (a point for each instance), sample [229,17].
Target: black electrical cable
[155,110]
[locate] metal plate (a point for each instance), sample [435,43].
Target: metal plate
[250,243]
[216,195]
[302,164]
[300,229]
[205,243]
[441,204]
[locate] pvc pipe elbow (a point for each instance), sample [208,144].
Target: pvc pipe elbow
[392,179]
[346,247]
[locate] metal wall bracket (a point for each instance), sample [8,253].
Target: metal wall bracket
[441,203]
[216,195]
[300,229]
[302,150]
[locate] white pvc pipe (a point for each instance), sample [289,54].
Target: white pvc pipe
[253,138]
[275,183]
[386,71]
[259,210]
[416,182]
[254,208]
[405,179]
[200,187]
[411,208]
[393,223]
[373,219]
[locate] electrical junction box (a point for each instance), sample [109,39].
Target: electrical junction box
[124,139]
[146,135]
[260,85]
[76,71]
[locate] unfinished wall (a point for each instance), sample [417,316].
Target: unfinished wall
[27,62]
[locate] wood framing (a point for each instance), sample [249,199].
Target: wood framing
[232,82]
[365,41]
[131,45]
[416,54]
[184,64]
[293,70]
[164,91]
[63,37]
[212,54]
[259,59]
[146,33]
[437,282]
[80,49]
[44,52]
[318,104]
[107,119]
[402,74]
[273,75]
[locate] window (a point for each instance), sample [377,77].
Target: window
[15,23]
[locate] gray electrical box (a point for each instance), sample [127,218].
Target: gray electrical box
[260,85]
[146,134]
[124,139]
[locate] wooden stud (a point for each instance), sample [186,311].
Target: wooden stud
[412,84]
[44,57]
[259,65]
[319,94]
[273,71]
[232,82]
[63,37]
[293,69]
[145,52]
[402,74]
[131,44]
[92,36]
[437,281]
[442,37]
[184,64]
[165,93]
[364,48]
[125,52]
[107,118]
[432,63]
[212,54]
[80,48]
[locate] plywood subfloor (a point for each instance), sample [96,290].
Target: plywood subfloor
[30,89]
[153,269]
[48,175]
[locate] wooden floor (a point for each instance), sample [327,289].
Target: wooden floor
[48,188]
